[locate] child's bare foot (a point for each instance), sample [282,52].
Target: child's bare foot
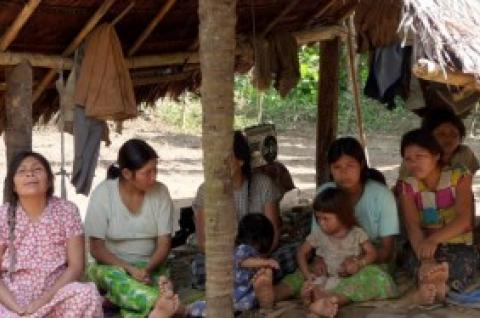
[437,274]
[166,305]
[325,307]
[263,286]
[424,295]
[307,293]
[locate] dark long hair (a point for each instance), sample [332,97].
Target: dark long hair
[421,138]
[336,201]
[133,155]
[351,147]
[241,151]
[256,230]
[12,197]
[437,117]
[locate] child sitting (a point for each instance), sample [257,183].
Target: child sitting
[349,275]
[251,268]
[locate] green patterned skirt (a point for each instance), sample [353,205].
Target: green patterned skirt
[134,298]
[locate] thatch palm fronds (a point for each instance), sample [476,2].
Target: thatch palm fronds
[446,32]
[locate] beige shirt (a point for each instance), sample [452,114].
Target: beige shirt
[130,237]
[335,250]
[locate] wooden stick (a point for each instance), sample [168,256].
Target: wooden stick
[279,17]
[320,12]
[431,71]
[354,78]
[151,26]
[92,22]
[17,25]
[123,13]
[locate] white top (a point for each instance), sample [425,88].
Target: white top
[131,237]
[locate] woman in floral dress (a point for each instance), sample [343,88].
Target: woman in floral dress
[41,248]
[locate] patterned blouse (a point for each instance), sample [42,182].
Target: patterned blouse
[437,208]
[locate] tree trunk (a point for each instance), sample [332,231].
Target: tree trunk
[217,52]
[18,108]
[327,108]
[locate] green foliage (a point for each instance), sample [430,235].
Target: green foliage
[299,107]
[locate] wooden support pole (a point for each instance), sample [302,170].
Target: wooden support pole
[278,18]
[18,110]
[151,26]
[217,60]
[91,23]
[327,111]
[17,25]
[352,57]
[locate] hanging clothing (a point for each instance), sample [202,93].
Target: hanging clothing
[87,134]
[104,86]
[390,73]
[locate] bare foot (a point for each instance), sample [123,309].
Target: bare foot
[325,307]
[424,295]
[166,305]
[437,274]
[263,286]
[307,293]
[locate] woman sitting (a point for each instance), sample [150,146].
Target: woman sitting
[129,223]
[253,193]
[449,131]
[374,206]
[437,207]
[41,247]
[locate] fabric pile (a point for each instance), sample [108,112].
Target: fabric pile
[276,60]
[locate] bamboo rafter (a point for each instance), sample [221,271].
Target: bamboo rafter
[280,16]
[151,26]
[22,18]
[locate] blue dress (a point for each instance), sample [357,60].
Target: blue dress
[243,293]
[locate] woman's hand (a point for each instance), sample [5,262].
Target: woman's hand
[425,249]
[140,274]
[34,306]
[273,264]
[319,267]
[349,266]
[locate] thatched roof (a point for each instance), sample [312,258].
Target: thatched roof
[55,23]
[446,29]
[446,32]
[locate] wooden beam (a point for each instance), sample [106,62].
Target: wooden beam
[123,13]
[320,12]
[18,112]
[17,25]
[327,109]
[36,60]
[320,33]
[91,23]
[279,17]
[151,26]
[431,71]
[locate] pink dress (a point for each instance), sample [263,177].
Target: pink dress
[41,258]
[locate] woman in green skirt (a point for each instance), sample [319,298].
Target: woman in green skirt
[129,225]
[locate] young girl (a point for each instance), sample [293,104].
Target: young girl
[348,254]
[252,273]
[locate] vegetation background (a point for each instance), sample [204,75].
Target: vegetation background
[298,109]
